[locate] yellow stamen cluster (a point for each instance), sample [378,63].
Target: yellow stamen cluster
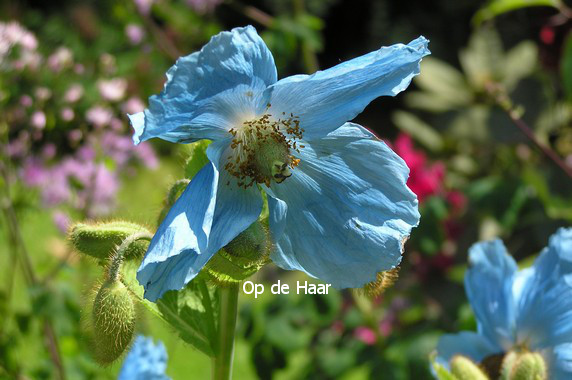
[261,150]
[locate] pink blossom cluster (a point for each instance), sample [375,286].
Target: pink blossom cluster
[72,149]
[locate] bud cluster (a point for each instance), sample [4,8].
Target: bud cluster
[113,315]
[514,365]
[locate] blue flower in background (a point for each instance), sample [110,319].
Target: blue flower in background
[526,310]
[145,361]
[339,206]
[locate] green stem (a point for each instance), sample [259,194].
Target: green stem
[117,259]
[222,362]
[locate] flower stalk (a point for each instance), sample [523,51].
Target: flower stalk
[222,362]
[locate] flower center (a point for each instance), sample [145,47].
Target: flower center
[261,150]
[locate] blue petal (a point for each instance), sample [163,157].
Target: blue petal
[145,361]
[560,362]
[209,91]
[236,209]
[465,343]
[348,212]
[545,298]
[211,212]
[488,283]
[178,250]
[327,99]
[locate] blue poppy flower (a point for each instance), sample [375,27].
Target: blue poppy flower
[526,310]
[145,361]
[339,206]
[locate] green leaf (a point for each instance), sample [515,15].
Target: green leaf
[497,7]
[519,62]
[483,59]
[192,311]
[418,129]
[444,81]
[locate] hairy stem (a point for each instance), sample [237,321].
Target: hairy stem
[117,259]
[222,362]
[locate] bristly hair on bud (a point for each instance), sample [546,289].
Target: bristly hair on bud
[528,365]
[113,321]
[383,281]
[99,240]
[242,257]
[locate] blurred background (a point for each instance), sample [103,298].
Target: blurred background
[486,131]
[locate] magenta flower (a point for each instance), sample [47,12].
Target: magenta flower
[424,179]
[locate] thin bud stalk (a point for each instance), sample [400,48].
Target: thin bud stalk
[117,259]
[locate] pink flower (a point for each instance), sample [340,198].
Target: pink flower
[457,200]
[424,179]
[116,124]
[33,173]
[42,93]
[112,89]
[38,120]
[147,156]
[49,151]
[60,59]
[61,220]
[134,33]
[73,93]
[143,6]
[11,34]
[133,105]
[365,335]
[203,6]
[99,116]
[75,135]
[67,114]
[26,101]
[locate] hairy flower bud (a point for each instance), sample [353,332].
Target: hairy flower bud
[526,366]
[383,281]
[242,257]
[99,240]
[464,368]
[113,321]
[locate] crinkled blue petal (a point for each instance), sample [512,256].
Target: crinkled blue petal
[145,361]
[211,212]
[545,299]
[209,91]
[348,211]
[560,362]
[469,344]
[488,284]
[178,250]
[327,99]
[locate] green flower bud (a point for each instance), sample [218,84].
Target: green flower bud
[99,240]
[464,368]
[528,366]
[113,321]
[507,365]
[242,257]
